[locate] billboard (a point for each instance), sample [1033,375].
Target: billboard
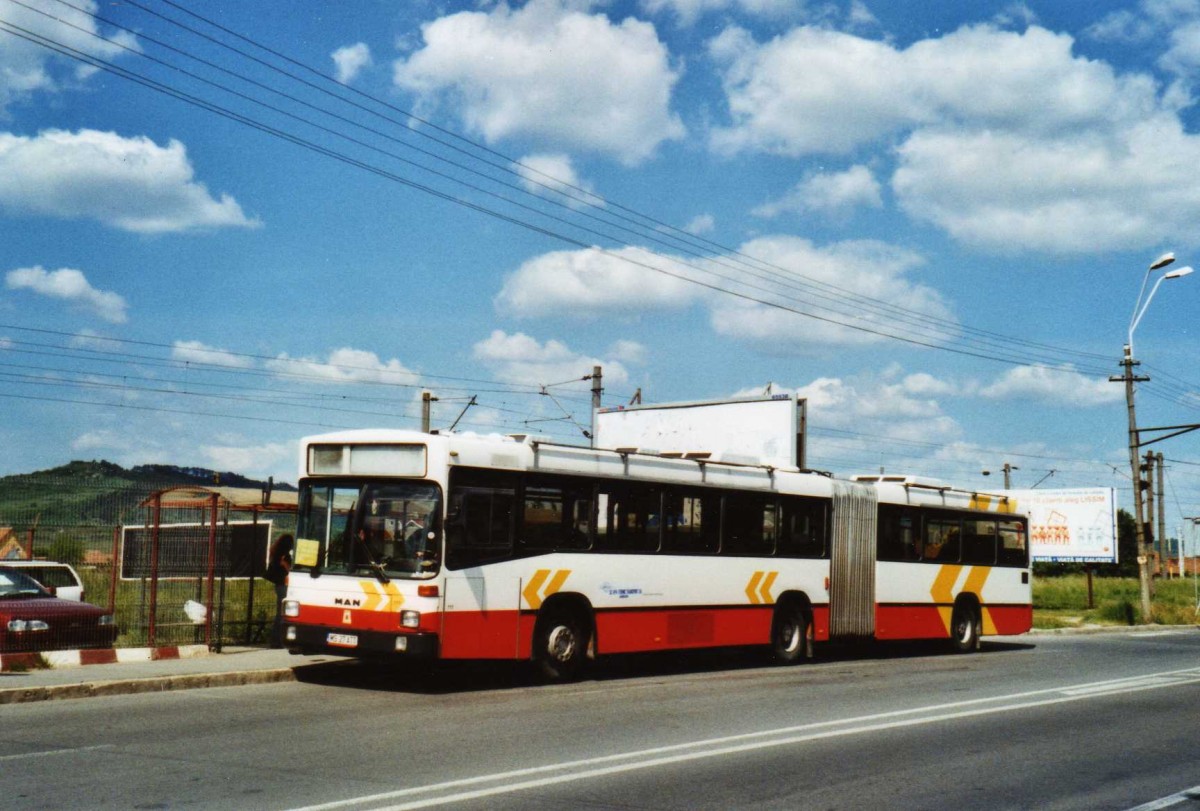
[1070,526]
[749,430]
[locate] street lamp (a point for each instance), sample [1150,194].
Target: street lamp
[1139,309]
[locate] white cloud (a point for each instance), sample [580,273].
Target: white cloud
[345,365]
[701,224]
[128,183]
[593,282]
[1006,140]
[197,352]
[877,406]
[788,96]
[1083,193]
[26,67]
[350,60]
[69,285]
[544,174]
[552,73]
[518,358]
[829,192]
[870,269]
[1054,386]
[255,461]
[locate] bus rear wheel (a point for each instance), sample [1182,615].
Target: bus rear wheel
[559,646]
[964,628]
[791,634]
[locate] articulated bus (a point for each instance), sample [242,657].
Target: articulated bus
[459,546]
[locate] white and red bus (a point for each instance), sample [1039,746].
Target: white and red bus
[461,546]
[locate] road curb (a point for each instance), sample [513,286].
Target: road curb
[157,684]
[10,662]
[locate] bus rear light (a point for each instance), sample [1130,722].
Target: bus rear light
[290,633]
[427,591]
[291,608]
[410,619]
[401,644]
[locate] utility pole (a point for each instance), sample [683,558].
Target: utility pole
[597,390]
[1148,466]
[1135,470]
[1008,469]
[427,399]
[1164,552]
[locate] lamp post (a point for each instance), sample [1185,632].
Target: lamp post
[1129,378]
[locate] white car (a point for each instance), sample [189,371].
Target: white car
[60,579]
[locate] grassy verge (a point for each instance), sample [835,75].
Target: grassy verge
[1061,602]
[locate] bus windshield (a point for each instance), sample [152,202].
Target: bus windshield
[380,528]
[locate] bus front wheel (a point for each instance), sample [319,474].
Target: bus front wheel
[559,646]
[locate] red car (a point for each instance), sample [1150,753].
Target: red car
[32,619]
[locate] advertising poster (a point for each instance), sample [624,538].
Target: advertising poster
[1070,526]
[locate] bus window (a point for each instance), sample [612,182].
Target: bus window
[557,515]
[802,528]
[748,526]
[632,518]
[479,519]
[942,540]
[1013,550]
[897,533]
[979,542]
[692,524]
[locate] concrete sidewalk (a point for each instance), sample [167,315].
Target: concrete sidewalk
[234,666]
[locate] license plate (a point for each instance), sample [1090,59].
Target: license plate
[342,640]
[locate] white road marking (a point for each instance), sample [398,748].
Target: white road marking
[1184,796]
[50,752]
[457,791]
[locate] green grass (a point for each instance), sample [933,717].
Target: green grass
[1061,602]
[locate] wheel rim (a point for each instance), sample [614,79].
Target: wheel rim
[964,628]
[789,635]
[561,643]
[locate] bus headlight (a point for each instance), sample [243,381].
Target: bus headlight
[291,608]
[410,619]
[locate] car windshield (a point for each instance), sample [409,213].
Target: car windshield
[382,528]
[14,585]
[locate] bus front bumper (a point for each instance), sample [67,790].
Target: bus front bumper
[309,639]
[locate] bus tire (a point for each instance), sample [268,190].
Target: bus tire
[964,628]
[560,644]
[791,634]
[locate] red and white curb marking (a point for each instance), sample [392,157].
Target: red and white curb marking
[101,656]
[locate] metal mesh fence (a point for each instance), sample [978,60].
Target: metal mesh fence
[173,565]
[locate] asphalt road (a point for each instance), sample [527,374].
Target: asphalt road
[1089,722]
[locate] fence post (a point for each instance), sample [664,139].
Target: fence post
[212,562]
[152,636]
[115,573]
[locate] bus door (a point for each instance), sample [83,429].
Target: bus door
[481,619]
[852,561]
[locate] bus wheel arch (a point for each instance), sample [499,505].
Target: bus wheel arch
[966,624]
[563,637]
[792,628]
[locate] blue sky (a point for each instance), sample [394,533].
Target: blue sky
[234,225]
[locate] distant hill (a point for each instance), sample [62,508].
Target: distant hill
[159,475]
[100,492]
